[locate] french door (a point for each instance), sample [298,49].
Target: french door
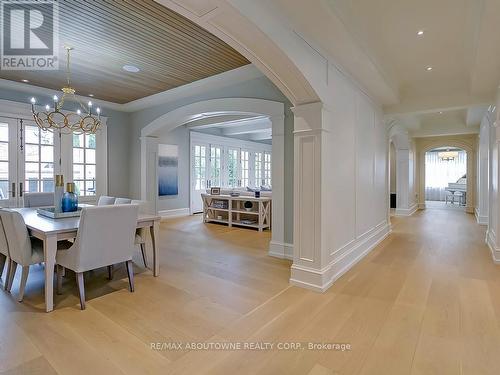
[27,160]
[199,178]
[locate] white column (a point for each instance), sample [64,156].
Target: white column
[277,246]
[403,182]
[149,171]
[482,180]
[309,135]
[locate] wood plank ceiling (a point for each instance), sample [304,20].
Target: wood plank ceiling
[169,49]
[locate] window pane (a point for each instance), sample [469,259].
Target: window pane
[4,132]
[79,186]
[31,171]
[31,186]
[47,170]
[31,134]
[90,156]
[31,153]
[90,172]
[90,141]
[4,170]
[78,172]
[78,155]
[4,151]
[47,185]
[4,189]
[90,187]
[46,138]
[47,153]
[77,140]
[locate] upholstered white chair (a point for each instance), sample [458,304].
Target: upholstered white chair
[140,233]
[123,200]
[4,255]
[38,199]
[105,237]
[104,200]
[23,250]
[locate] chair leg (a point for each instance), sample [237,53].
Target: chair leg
[130,273]
[7,276]
[110,272]
[12,273]
[3,259]
[143,251]
[24,280]
[59,272]
[81,289]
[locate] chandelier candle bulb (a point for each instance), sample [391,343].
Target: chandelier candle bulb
[47,107]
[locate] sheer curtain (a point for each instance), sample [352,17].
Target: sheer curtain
[438,173]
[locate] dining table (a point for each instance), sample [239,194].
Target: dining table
[50,231]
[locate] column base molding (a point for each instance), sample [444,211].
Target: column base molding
[481,219]
[491,242]
[281,250]
[321,280]
[406,211]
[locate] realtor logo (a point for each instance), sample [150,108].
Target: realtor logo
[30,31]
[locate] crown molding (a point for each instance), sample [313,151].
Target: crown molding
[201,86]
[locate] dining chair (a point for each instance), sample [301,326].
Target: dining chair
[104,200]
[105,237]
[23,249]
[38,199]
[123,200]
[4,255]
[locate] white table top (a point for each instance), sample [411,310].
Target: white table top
[239,197]
[47,225]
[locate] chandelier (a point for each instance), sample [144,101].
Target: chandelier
[53,119]
[448,155]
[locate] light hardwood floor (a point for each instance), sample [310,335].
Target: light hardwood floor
[425,301]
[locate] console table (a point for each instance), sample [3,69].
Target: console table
[229,210]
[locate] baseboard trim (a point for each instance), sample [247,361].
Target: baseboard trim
[491,241]
[281,250]
[178,212]
[406,211]
[481,219]
[321,280]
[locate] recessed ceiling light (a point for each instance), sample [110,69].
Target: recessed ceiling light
[420,32]
[24,80]
[440,112]
[429,68]
[131,68]
[91,95]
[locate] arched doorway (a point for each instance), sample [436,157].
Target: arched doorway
[217,108]
[466,143]
[445,178]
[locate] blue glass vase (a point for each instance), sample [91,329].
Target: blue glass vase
[70,199]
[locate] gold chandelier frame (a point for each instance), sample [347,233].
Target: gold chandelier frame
[83,121]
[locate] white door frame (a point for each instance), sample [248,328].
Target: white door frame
[216,107]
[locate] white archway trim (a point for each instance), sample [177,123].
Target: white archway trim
[217,107]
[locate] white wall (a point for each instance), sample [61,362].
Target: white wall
[343,202]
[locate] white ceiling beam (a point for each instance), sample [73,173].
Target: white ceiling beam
[261,136]
[247,129]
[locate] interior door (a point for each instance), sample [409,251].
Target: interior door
[199,178]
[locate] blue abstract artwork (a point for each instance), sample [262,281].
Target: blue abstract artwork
[168,170]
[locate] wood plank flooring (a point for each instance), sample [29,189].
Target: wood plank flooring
[425,301]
